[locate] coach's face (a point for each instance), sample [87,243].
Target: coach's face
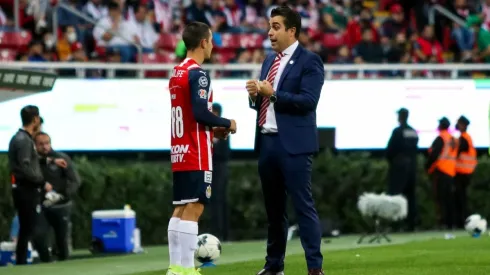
[43,144]
[279,36]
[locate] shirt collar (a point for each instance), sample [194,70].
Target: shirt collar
[290,50]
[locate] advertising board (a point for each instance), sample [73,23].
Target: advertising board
[102,115]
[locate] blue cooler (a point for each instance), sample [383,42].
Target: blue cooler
[114,229]
[7,253]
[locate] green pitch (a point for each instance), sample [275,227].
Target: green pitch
[416,254]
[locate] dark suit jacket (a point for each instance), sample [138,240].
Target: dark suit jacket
[297,94]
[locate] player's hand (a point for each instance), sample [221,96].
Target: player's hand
[48,187]
[232,128]
[265,88]
[221,132]
[252,88]
[61,163]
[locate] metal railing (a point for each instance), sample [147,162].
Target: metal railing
[453,70]
[438,8]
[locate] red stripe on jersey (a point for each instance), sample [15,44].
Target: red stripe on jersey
[191,142]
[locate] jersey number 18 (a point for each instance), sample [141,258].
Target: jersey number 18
[177,122]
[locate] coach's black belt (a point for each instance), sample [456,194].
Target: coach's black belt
[270,134]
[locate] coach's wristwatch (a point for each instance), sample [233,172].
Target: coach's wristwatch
[273,98]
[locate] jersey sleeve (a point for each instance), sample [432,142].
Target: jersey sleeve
[199,83]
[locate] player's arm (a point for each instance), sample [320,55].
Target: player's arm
[311,88]
[199,84]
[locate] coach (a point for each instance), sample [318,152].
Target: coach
[286,138]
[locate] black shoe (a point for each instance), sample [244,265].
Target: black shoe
[267,272]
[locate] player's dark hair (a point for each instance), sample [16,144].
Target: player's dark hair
[292,19]
[28,114]
[194,33]
[41,134]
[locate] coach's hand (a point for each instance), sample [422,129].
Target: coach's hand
[61,163]
[252,88]
[232,128]
[265,88]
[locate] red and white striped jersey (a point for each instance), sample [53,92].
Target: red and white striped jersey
[191,141]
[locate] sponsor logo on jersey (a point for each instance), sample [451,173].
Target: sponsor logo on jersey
[203,81]
[203,94]
[177,153]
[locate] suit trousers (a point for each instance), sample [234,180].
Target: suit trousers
[26,202]
[283,174]
[461,183]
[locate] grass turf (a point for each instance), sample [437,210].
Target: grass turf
[414,254]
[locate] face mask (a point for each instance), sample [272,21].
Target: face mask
[49,43]
[72,37]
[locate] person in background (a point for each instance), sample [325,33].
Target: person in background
[36,52]
[64,44]
[401,153]
[142,30]
[58,202]
[113,32]
[427,48]
[465,166]
[219,203]
[482,37]
[441,167]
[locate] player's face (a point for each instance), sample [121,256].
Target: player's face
[208,48]
[279,36]
[43,144]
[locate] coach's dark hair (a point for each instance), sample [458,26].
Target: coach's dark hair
[194,33]
[28,114]
[292,19]
[41,134]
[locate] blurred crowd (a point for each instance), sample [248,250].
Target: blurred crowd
[340,31]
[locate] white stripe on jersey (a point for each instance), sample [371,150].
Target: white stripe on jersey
[210,157]
[198,146]
[184,61]
[193,66]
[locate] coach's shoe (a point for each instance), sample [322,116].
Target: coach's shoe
[175,270]
[315,272]
[267,272]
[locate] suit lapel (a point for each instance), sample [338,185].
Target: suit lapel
[268,65]
[292,61]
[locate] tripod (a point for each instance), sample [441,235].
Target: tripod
[378,235]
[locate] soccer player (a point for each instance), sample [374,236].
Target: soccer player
[192,125]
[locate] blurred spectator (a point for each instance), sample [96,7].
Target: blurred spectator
[464,36]
[142,30]
[396,23]
[368,50]
[244,57]
[343,56]
[482,52]
[234,16]
[77,55]
[112,32]
[36,52]
[427,48]
[198,11]
[49,53]
[95,10]
[217,17]
[335,15]
[64,43]
[357,27]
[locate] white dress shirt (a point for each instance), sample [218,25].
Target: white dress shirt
[105,24]
[270,125]
[144,31]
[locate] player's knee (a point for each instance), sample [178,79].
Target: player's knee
[192,211]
